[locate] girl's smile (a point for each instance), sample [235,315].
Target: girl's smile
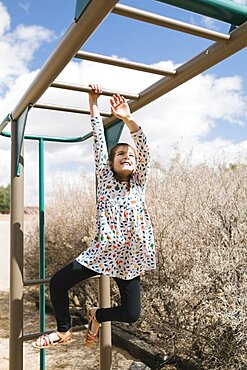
[124,163]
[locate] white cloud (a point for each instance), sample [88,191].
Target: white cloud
[187,116]
[244,2]
[5,20]
[17,48]
[4,161]
[210,23]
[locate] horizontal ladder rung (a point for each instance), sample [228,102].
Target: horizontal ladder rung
[87,89]
[124,63]
[36,282]
[63,108]
[159,20]
[47,280]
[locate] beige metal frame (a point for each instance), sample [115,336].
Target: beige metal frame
[73,40]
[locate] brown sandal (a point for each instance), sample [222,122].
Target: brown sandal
[92,333]
[46,340]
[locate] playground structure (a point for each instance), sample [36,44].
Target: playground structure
[89,14]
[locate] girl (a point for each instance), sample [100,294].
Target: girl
[123,246]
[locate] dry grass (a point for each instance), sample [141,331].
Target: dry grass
[194,304]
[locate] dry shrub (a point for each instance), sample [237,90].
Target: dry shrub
[194,303]
[197,296]
[69,223]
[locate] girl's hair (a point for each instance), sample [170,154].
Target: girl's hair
[113,152]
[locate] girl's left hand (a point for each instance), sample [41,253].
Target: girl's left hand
[119,107]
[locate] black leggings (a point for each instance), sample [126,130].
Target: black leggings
[73,273]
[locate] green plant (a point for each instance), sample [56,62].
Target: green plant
[4,198]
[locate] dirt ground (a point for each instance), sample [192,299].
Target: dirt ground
[73,356]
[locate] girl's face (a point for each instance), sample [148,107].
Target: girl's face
[124,162]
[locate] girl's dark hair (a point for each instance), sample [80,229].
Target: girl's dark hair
[113,152]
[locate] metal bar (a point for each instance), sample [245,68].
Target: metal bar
[67,109]
[6,120]
[54,139]
[45,281]
[41,248]
[72,41]
[225,10]
[173,24]
[16,257]
[87,89]
[205,60]
[105,331]
[124,63]
[36,282]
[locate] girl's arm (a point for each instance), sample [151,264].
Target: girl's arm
[99,143]
[93,100]
[143,156]
[121,110]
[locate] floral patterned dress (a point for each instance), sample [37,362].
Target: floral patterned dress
[123,245]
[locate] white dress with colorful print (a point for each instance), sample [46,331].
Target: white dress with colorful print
[123,245]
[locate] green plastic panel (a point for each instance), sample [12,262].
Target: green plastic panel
[224,10]
[112,134]
[21,124]
[80,7]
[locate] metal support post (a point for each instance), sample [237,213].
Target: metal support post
[16,257]
[105,331]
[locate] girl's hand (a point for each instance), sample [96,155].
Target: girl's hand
[96,91]
[119,107]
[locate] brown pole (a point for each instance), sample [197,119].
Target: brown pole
[105,331]
[16,258]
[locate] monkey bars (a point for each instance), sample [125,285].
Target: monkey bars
[88,16]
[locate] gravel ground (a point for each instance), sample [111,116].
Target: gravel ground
[73,356]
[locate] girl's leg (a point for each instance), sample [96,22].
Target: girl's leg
[130,308]
[60,283]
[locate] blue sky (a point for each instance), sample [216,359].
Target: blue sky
[206,115]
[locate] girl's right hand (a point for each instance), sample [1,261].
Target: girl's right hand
[96,91]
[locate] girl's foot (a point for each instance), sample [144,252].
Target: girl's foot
[93,327]
[52,339]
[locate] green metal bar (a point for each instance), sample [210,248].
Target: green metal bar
[224,10]
[41,248]
[112,133]
[54,139]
